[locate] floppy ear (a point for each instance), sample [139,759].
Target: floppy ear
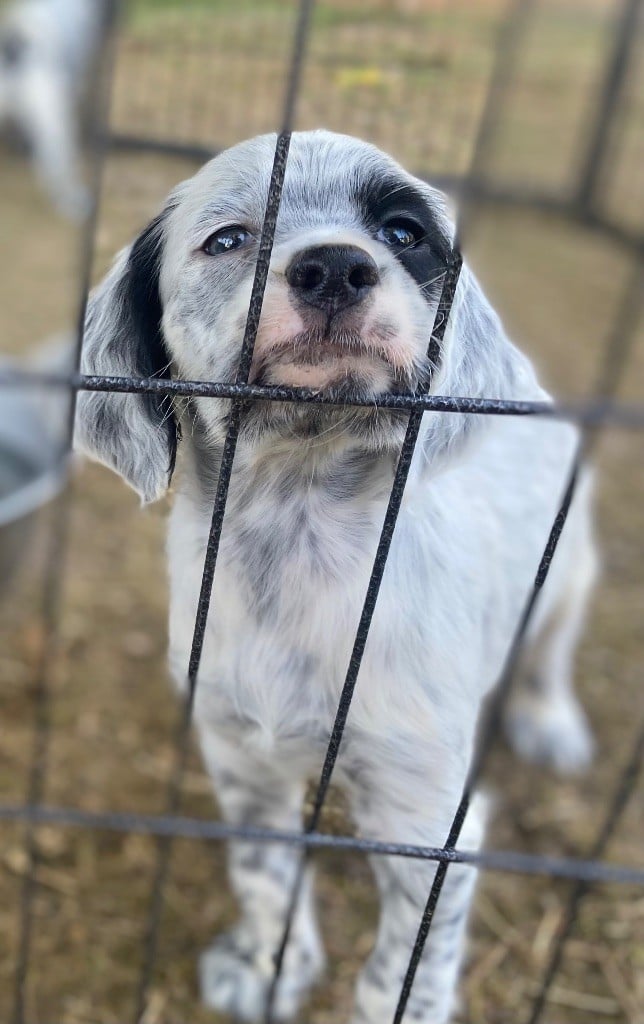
[135,435]
[477,361]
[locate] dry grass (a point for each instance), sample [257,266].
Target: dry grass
[113,713]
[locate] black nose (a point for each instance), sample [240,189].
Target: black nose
[332,277]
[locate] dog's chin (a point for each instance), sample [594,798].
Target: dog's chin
[332,372]
[344,368]
[324,360]
[345,384]
[371,427]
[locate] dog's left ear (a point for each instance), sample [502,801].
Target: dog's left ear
[135,435]
[478,360]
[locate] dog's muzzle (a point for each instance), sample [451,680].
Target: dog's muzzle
[332,278]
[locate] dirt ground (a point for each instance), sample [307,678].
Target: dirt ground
[113,712]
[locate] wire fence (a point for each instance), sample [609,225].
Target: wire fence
[601,408]
[357,82]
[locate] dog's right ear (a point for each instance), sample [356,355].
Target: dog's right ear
[135,435]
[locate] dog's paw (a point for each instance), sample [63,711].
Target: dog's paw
[231,983]
[551,732]
[237,982]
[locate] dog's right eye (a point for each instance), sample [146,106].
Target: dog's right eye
[226,239]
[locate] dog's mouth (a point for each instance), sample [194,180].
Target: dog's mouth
[346,366]
[325,359]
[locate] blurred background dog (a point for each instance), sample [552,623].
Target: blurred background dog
[47,50]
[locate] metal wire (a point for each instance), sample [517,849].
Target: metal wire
[625,33]
[598,411]
[484,744]
[437,334]
[58,543]
[173,801]
[625,787]
[511,33]
[182,827]
[618,349]
[210,561]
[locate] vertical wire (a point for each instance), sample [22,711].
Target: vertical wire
[262,265]
[625,38]
[617,352]
[510,35]
[616,356]
[380,560]
[489,730]
[509,38]
[56,557]
[623,791]
[293,85]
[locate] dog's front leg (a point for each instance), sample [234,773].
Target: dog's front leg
[236,971]
[48,116]
[396,806]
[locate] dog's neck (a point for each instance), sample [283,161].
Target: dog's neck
[295,511]
[281,469]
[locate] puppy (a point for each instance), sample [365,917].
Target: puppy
[46,52]
[355,277]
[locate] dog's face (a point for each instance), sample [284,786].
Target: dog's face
[358,259]
[359,256]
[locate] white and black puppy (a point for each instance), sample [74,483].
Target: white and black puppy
[355,275]
[46,52]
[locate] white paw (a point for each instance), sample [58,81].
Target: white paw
[550,732]
[230,984]
[236,982]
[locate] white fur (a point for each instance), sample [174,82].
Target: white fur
[307,499]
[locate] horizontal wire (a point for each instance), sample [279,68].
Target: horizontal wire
[181,827]
[626,415]
[487,192]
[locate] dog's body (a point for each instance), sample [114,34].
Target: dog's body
[354,283]
[46,52]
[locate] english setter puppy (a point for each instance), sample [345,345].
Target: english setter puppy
[355,276]
[46,52]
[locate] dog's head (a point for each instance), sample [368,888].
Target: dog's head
[359,256]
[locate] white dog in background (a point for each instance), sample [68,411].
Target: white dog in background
[354,281]
[47,49]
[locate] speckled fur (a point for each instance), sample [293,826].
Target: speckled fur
[307,499]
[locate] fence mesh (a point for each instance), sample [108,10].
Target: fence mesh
[579,194]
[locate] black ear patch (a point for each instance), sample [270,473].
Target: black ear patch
[385,198]
[141,311]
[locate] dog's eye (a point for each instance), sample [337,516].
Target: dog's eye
[399,234]
[226,239]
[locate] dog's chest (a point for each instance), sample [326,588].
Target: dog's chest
[292,575]
[291,579]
